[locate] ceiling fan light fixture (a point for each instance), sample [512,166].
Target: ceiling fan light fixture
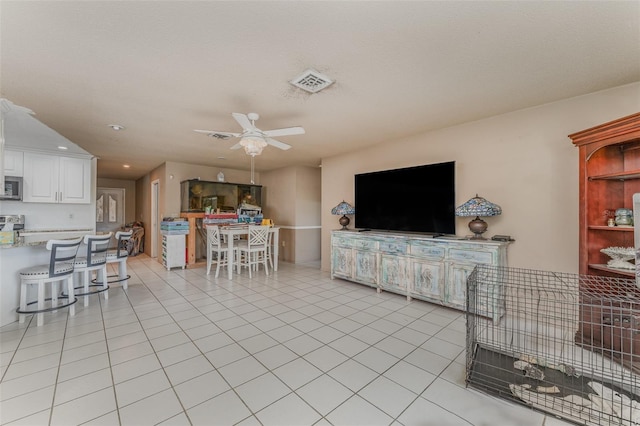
[253,145]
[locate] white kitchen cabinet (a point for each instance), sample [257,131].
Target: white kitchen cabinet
[418,266]
[13,163]
[56,179]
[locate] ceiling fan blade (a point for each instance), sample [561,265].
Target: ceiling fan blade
[284,132]
[218,135]
[278,144]
[243,120]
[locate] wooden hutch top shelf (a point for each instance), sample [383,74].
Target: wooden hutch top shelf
[624,129]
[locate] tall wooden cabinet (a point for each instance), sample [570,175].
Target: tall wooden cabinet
[609,176]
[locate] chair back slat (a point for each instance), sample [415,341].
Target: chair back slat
[63,255]
[122,238]
[97,247]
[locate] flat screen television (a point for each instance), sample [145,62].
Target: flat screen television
[411,199]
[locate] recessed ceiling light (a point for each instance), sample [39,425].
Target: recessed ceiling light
[126,166]
[116,127]
[64,148]
[222,158]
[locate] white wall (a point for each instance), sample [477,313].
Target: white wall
[522,161]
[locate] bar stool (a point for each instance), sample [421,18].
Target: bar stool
[60,268]
[270,246]
[95,260]
[217,247]
[253,251]
[118,255]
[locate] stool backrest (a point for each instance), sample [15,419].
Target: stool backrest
[258,235]
[63,256]
[97,247]
[121,243]
[213,236]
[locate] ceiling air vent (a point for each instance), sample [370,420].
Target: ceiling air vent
[312,81]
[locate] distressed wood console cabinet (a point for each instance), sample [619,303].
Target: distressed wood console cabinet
[421,267]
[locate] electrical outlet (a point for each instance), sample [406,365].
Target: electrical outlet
[70,215]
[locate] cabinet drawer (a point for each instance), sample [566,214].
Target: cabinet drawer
[341,241]
[365,244]
[470,256]
[431,251]
[393,247]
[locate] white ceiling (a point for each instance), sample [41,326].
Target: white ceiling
[164,68]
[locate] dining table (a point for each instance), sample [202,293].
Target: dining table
[232,231]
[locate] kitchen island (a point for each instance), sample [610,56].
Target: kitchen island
[28,249]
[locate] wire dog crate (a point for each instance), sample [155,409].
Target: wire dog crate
[565,344]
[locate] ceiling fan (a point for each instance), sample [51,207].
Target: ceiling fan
[252,139]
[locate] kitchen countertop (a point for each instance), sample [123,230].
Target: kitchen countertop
[39,237]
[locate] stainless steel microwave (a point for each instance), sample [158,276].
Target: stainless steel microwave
[12,188]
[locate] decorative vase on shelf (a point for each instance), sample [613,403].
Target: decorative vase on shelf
[620,257]
[624,217]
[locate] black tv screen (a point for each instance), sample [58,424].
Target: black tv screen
[412,199]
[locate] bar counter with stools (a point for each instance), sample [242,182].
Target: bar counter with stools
[60,268]
[78,262]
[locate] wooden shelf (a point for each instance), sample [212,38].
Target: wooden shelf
[625,272]
[626,175]
[611,228]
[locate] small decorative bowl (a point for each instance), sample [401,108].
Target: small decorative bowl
[620,257]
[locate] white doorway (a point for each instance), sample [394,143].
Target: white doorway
[110,209]
[155,189]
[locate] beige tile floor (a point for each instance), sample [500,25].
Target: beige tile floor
[294,348]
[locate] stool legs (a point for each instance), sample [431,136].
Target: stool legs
[105,283]
[85,286]
[70,294]
[23,301]
[101,278]
[41,296]
[122,273]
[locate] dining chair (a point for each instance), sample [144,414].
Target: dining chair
[269,252]
[118,255]
[94,260]
[253,251]
[60,268]
[216,247]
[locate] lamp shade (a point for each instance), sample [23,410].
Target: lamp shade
[343,208]
[478,206]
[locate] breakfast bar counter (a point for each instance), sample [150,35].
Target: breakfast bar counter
[28,250]
[39,237]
